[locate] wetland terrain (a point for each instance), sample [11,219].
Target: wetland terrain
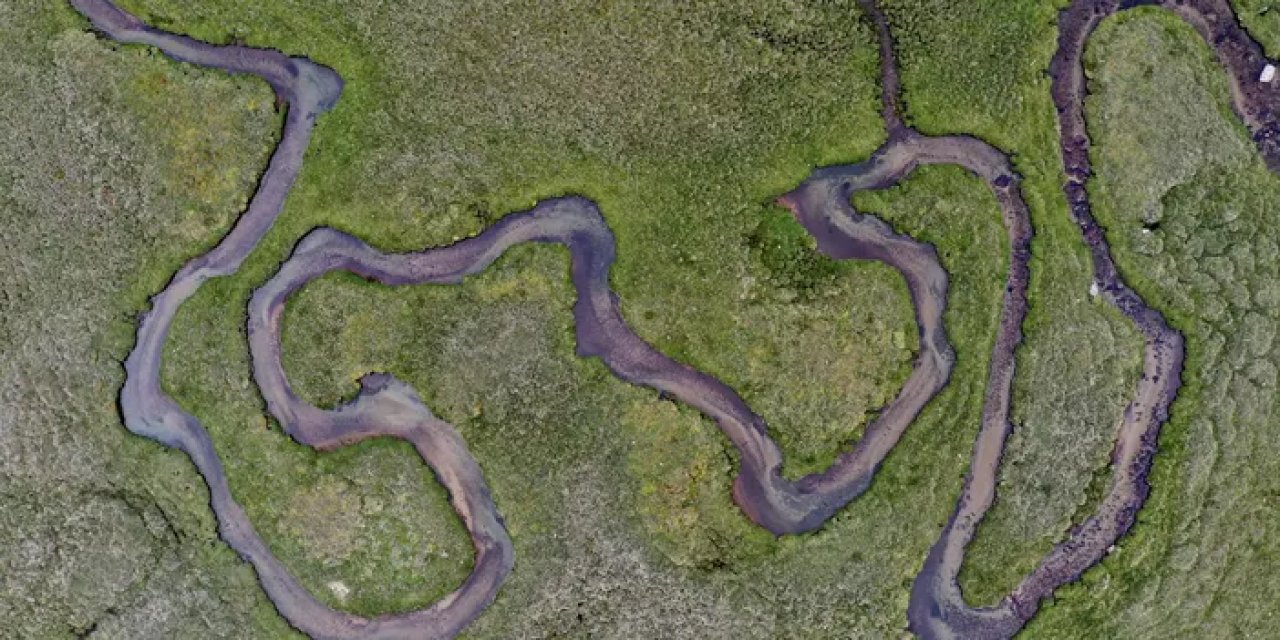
[812,342]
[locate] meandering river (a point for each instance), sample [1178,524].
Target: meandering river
[822,204]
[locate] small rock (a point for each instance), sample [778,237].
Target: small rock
[1268,72]
[339,589]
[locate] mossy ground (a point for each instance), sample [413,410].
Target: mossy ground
[683,123]
[1189,210]
[1261,18]
[1079,359]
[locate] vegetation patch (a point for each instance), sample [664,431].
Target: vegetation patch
[684,474]
[683,123]
[962,74]
[1208,265]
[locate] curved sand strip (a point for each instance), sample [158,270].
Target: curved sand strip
[821,203]
[308,89]
[937,608]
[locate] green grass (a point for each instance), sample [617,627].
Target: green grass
[1200,248]
[1261,18]
[683,123]
[92,214]
[963,74]
[598,110]
[845,323]
[733,292]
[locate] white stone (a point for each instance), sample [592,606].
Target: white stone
[1268,72]
[339,589]
[1093,289]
